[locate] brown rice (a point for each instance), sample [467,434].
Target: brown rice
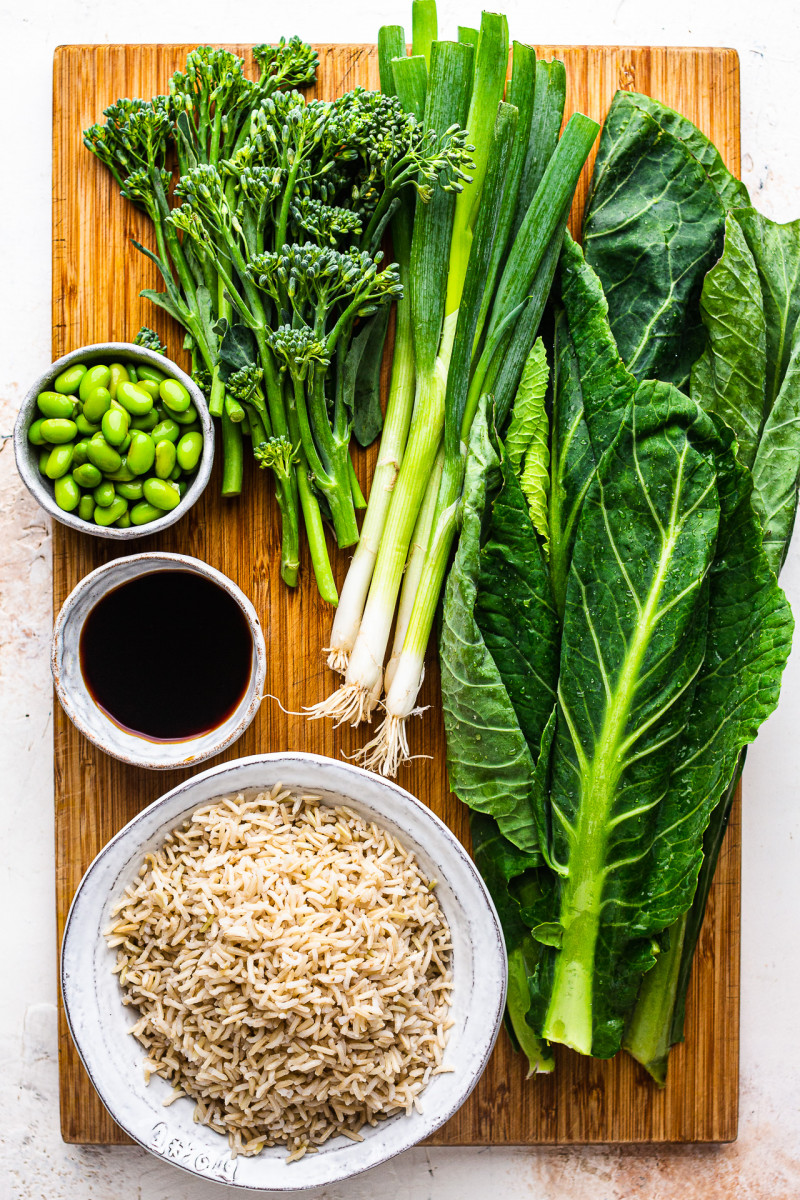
[291,966]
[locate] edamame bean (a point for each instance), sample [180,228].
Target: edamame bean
[131,396]
[124,474]
[115,426]
[58,430]
[152,374]
[86,475]
[87,428]
[102,455]
[190,447]
[104,494]
[108,516]
[142,513]
[167,430]
[96,404]
[86,508]
[59,461]
[142,453]
[81,455]
[186,418]
[130,491]
[147,422]
[174,395]
[175,474]
[67,493]
[165,459]
[69,381]
[183,487]
[44,458]
[150,386]
[52,404]
[132,373]
[123,447]
[35,433]
[124,522]
[97,376]
[161,494]
[119,374]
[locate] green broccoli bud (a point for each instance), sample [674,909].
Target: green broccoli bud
[298,350]
[290,64]
[243,384]
[150,340]
[277,453]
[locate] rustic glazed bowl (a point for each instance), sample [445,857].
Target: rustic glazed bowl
[99,1022]
[92,721]
[27,455]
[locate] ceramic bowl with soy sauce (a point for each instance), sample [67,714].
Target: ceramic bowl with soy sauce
[159,660]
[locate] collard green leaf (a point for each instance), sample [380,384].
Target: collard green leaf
[522,963]
[572,458]
[729,377]
[653,227]
[503,866]
[606,385]
[749,373]
[776,471]
[731,191]
[500,862]
[515,613]
[633,644]
[748,639]
[489,763]
[528,406]
[526,442]
[776,251]
[675,637]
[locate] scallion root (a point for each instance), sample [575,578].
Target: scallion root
[338,658]
[389,749]
[350,704]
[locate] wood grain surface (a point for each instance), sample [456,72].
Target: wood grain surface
[97,276]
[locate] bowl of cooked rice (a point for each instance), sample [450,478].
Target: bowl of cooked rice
[283,972]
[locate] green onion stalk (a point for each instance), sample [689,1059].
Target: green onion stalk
[481,314]
[462,86]
[512,325]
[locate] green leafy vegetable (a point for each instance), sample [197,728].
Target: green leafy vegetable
[526,442]
[653,227]
[489,762]
[729,378]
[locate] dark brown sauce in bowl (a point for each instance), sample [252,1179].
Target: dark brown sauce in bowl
[167,656]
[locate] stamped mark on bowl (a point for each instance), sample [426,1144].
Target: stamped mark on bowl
[189,1155]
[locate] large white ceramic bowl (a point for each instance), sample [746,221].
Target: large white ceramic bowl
[99,1022]
[78,702]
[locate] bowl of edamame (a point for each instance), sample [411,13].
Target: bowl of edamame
[115,440]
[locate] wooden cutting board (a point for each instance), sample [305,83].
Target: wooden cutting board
[97,276]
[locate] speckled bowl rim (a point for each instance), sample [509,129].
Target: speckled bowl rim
[432,1121]
[29,472]
[186,562]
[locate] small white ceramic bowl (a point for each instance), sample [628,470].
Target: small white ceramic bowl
[77,702]
[99,1022]
[27,455]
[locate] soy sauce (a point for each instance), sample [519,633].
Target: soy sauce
[167,656]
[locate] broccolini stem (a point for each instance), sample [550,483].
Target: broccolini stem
[232,457]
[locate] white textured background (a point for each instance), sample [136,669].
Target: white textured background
[765,1163]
